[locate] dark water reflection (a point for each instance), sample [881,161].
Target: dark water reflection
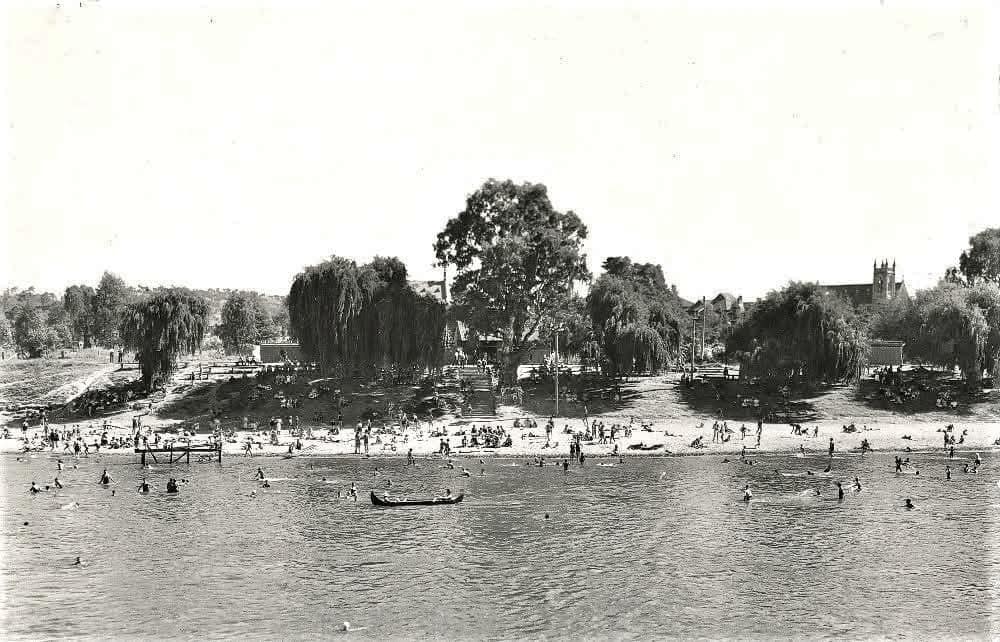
[651,548]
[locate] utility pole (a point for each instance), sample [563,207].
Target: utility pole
[694,334]
[704,314]
[557,373]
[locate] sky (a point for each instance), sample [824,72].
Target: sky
[225,144]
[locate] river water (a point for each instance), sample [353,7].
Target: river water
[658,547]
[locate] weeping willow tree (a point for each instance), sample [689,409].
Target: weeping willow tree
[634,317]
[950,325]
[350,316]
[161,327]
[801,330]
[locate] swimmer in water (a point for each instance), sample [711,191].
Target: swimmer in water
[978,460]
[908,504]
[57,483]
[840,491]
[59,464]
[947,473]
[260,474]
[34,489]
[78,561]
[266,484]
[143,487]
[857,484]
[747,493]
[105,478]
[465,473]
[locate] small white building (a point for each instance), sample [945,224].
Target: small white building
[277,352]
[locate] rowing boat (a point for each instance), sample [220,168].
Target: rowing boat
[378,501]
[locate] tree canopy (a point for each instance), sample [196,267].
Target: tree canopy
[32,337]
[948,325]
[801,330]
[352,316]
[517,260]
[636,318]
[6,333]
[245,322]
[980,262]
[107,305]
[161,327]
[78,302]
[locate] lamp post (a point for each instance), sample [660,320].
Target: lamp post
[558,330]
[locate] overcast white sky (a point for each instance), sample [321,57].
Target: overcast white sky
[216,145]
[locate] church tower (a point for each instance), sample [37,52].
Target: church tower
[883,282]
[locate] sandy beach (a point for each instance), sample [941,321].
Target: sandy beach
[672,438]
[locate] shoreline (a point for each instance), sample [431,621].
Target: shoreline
[671,439]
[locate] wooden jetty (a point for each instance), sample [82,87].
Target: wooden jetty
[176,453]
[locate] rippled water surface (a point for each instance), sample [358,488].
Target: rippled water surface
[649,548]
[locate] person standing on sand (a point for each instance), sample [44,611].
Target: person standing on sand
[831,446]
[410,461]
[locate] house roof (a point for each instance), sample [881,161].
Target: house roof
[726,298]
[429,288]
[856,293]
[723,300]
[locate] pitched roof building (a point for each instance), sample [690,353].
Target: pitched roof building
[723,302]
[883,288]
[436,289]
